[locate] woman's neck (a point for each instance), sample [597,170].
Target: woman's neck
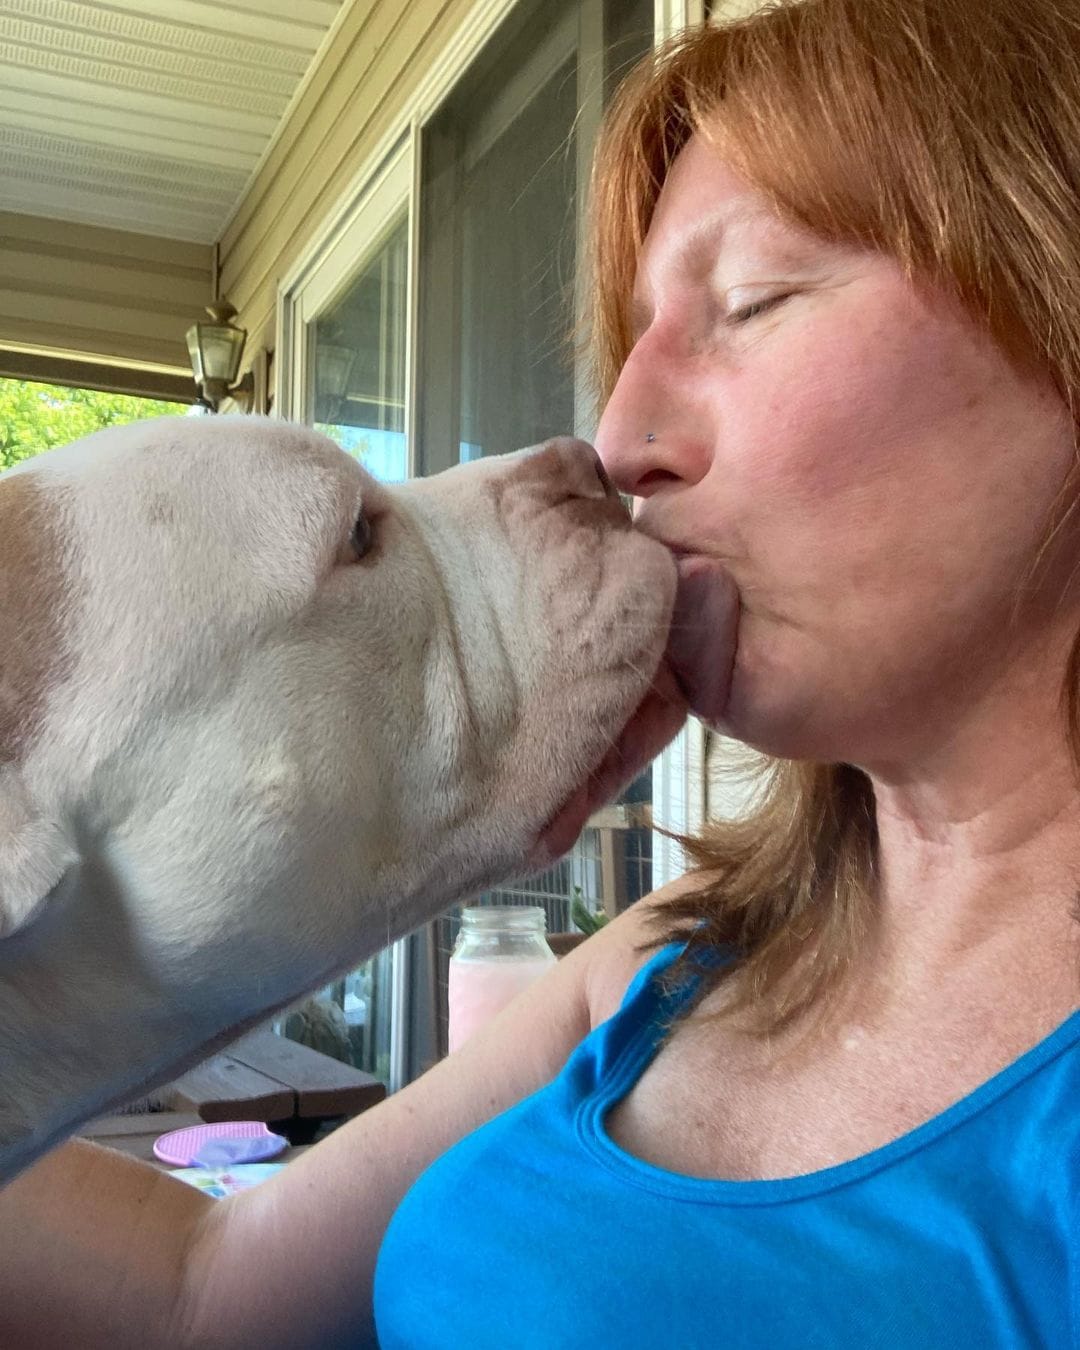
[979,850]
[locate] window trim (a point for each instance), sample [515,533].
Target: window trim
[671,16]
[327,272]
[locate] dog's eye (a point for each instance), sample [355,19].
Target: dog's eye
[360,538]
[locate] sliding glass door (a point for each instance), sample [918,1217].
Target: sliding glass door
[346,340]
[503,171]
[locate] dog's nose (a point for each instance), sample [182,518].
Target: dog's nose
[605,482]
[566,463]
[582,467]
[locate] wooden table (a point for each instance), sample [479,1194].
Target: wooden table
[270,1078]
[295,1090]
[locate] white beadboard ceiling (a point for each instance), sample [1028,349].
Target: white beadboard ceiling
[148,116]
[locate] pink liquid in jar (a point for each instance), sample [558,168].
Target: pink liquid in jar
[480,989]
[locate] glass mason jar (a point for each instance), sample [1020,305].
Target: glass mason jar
[500,950]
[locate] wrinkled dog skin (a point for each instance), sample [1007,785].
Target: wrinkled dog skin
[260,714]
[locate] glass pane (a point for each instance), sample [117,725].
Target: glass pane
[498,260]
[357,392]
[497,250]
[357,348]
[628,35]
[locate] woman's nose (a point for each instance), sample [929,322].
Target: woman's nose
[645,439]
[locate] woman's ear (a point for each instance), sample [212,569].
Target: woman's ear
[34,855]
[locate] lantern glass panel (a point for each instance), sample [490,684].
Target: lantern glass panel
[194,354]
[222,347]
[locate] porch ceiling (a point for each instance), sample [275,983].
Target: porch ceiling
[147,115]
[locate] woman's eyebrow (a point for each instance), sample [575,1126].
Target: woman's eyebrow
[697,251]
[711,232]
[709,235]
[694,252]
[706,240]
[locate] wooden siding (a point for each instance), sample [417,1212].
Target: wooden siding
[383,51]
[105,294]
[127,298]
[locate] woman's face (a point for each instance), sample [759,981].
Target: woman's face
[871,471]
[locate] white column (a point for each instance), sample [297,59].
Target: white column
[670,16]
[680,798]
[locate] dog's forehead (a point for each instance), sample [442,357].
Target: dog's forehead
[207,484]
[157,532]
[201,457]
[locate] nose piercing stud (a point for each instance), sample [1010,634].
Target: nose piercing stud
[650,437]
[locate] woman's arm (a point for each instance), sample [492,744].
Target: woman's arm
[98,1250]
[290,1263]
[92,1250]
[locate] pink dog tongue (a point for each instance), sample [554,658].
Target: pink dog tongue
[701,648]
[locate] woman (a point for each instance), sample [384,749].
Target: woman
[838,263]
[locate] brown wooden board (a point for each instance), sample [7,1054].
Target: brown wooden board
[224,1088]
[324,1086]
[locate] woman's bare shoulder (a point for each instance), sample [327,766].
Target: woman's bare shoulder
[618,951]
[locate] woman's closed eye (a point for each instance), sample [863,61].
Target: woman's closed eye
[751,309]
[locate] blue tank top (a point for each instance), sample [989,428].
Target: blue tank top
[538,1231]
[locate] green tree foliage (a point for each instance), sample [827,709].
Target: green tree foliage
[36,417]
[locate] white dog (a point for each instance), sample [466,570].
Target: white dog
[260,714]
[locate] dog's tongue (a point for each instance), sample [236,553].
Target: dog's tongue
[701,648]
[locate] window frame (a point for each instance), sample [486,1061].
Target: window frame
[328,270]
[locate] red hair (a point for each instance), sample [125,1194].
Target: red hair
[945,134]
